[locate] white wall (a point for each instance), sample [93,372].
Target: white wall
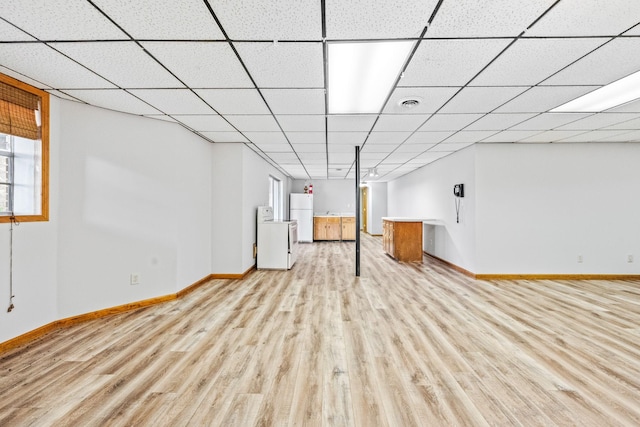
[134,198]
[34,259]
[330,195]
[377,206]
[226,216]
[428,193]
[240,185]
[256,174]
[540,206]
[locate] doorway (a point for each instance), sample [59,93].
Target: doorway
[364,193]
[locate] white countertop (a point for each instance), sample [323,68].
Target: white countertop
[410,219]
[332,214]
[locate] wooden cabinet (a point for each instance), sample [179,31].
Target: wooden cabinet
[326,228]
[402,239]
[348,227]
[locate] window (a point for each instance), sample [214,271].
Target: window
[24,151]
[275,197]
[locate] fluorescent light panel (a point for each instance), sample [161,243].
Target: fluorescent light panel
[617,93]
[361,75]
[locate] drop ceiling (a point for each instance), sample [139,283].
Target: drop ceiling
[253,72]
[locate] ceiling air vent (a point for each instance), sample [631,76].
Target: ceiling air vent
[409,102]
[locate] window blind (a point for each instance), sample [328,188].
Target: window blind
[18,112]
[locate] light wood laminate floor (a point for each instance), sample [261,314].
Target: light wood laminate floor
[403,345]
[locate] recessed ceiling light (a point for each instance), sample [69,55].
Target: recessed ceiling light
[617,93]
[361,75]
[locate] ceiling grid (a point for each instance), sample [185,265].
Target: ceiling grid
[255,72]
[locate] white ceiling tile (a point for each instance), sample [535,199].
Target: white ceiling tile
[18,76]
[626,125]
[310,149]
[530,61]
[174,101]
[162,117]
[274,147]
[61,95]
[469,136]
[629,107]
[451,147]
[285,158]
[498,121]
[380,148]
[123,63]
[541,99]
[39,62]
[255,123]
[511,136]
[225,136]
[587,18]
[361,19]
[633,136]
[269,20]
[598,121]
[201,64]
[309,160]
[282,65]
[428,137]
[302,123]
[341,160]
[635,31]
[400,157]
[60,20]
[548,121]
[234,101]
[594,136]
[163,19]
[450,62]
[414,148]
[431,99]
[350,123]
[365,155]
[430,156]
[9,33]
[397,122]
[114,99]
[452,122]
[496,18]
[611,62]
[203,123]
[306,137]
[295,101]
[387,137]
[551,136]
[267,138]
[346,138]
[481,99]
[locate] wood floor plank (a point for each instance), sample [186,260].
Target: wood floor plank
[404,344]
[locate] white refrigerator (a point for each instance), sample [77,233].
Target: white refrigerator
[301,209]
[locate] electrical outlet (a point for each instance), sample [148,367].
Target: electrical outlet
[630,258]
[579,258]
[134,279]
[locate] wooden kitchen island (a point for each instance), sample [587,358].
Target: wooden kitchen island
[402,238]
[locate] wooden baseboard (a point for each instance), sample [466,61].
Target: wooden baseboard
[557,277]
[536,276]
[453,266]
[73,320]
[237,276]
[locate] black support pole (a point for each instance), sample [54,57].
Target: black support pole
[357,211]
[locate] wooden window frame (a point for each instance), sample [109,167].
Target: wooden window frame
[44,161]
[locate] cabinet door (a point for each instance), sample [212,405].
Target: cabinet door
[348,228]
[333,228]
[319,229]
